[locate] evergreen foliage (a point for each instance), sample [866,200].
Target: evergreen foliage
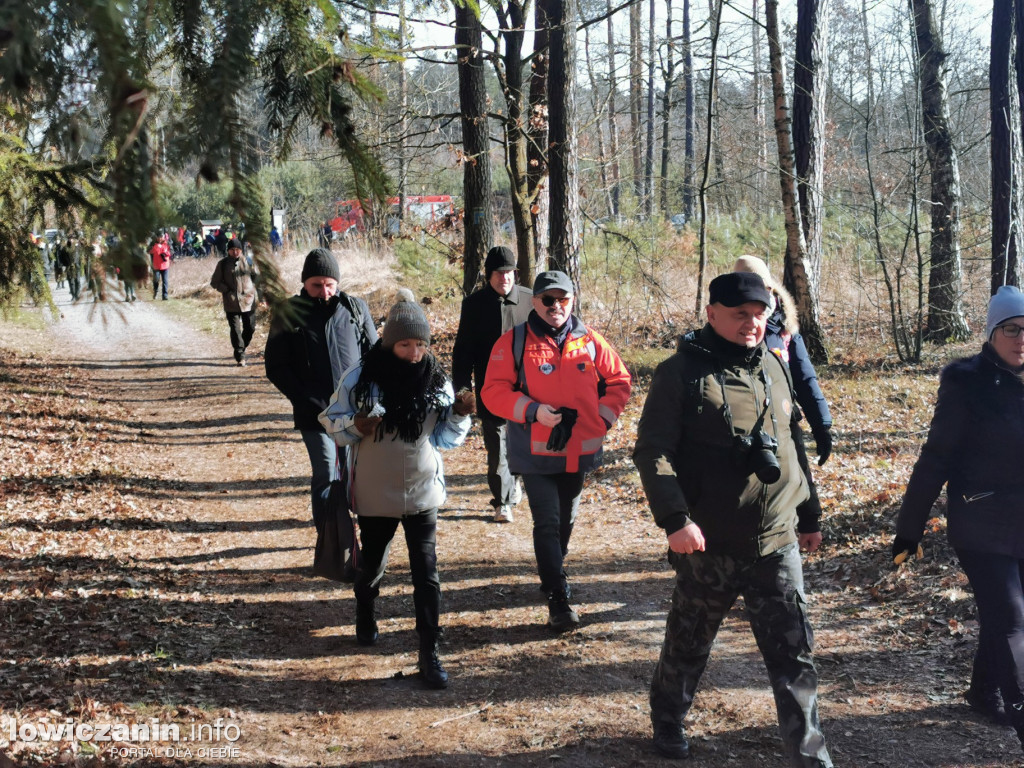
[100,96]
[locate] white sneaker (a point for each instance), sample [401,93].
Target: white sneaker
[503,514]
[517,493]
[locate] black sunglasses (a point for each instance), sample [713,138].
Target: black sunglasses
[550,301]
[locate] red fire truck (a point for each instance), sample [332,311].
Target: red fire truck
[422,209]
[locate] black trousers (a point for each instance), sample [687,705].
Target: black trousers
[554,502]
[998,584]
[375,536]
[499,479]
[242,326]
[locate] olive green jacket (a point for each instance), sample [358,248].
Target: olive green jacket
[686,450]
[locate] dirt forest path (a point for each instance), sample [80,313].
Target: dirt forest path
[181,591]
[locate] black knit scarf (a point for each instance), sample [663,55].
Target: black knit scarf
[408,391]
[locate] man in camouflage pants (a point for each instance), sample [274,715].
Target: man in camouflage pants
[721,460]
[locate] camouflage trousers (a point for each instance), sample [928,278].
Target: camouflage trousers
[707,585]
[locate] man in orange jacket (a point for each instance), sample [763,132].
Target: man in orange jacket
[561,387]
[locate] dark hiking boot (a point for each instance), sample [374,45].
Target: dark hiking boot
[561,616]
[670,741]
[431,671]
[366,623]
[1015,713]
[987,704]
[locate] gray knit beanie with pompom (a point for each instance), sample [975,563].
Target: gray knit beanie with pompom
[405,321]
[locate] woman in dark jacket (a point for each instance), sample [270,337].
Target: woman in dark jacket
[974,447]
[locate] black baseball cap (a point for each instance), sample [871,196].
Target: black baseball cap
[551,281]
[735,288]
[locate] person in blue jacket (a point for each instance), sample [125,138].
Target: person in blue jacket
[783,338]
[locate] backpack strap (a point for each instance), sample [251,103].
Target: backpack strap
[356,311]
[518,349]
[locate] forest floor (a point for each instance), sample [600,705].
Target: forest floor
[155,544]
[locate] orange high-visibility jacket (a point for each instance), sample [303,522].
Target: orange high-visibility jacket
[570,377]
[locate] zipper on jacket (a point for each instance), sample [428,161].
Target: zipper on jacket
[978,496]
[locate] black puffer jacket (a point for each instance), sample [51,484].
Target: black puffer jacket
[685,448]
[974,444]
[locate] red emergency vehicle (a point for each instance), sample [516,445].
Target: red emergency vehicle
[423,209]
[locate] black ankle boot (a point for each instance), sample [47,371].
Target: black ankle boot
[1015,713]
[561,616]
[989,704]
[431,671]
[366,623]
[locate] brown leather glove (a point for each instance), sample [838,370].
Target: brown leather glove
[366,425]
[465,403]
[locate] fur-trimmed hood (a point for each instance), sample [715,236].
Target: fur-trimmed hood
[785,308]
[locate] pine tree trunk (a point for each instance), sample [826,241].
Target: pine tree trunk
[476,164]
[516,152]
[635,97]
[946,319]
[562,158]
[537,148]
[809,80]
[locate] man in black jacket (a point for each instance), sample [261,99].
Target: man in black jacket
[719,454]
[319,335]
[486,315]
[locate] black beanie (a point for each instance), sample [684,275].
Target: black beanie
[320,263]
[499,257]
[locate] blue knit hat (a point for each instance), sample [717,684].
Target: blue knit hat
[1007,303]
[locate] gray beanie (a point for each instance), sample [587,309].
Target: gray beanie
[320,263]
[1008,302]
[405,321]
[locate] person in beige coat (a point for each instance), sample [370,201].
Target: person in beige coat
[235,278]
[396,409]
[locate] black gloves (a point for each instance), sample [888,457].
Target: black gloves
[823,443]
[561,432]
[902,549]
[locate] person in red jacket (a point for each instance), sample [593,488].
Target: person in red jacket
[561,389]
[160,252]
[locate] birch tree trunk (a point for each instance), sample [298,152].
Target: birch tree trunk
[649,137]
[716,24]
[613,131]
[760,122]
[666,109]
[689,154]
[796,249]
[1004,236]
